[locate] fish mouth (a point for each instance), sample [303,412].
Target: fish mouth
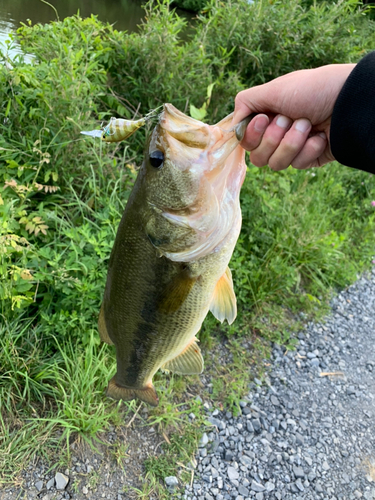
[211,155]
[205,150]
[196,134]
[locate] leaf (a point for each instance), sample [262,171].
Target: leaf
[198,114]
[30,227]
[8,107]
[26,274]
[209,90]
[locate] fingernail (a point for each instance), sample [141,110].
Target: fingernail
[302,125]
[322,135]
[283,121]
[261,123]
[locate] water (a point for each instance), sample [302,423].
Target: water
[124,14]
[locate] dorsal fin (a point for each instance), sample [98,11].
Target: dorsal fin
[224,305]
[189,362]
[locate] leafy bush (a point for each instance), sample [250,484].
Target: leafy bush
[268,39]
[193,5]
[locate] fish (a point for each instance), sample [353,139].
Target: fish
[119,129]
[169,262]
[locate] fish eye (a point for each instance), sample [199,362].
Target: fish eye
[157,158]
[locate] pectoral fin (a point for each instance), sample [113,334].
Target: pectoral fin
[176,292]
[189,362]
[103,333]
[224,304]
[147,394]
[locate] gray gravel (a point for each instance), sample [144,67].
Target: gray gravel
[302,434]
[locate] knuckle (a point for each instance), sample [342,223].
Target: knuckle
[291,148]
[238,100]
[277,164]
[317,144]
[271,142]
[300,165]
[257,161]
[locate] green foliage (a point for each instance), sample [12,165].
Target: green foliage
[266,39]
[62,196]
[297,235]
[193,5]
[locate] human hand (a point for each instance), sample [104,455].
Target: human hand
[293,124]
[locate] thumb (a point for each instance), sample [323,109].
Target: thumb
[259,99]
[242,107]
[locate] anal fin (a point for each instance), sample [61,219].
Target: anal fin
[147,394]
[103,332]
[189,362]
[224,304]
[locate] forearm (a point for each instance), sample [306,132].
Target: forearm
[352,132]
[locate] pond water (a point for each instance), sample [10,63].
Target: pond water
[124,14]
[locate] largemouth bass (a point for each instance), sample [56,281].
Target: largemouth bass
[169,262]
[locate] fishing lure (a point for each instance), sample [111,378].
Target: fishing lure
[119,129]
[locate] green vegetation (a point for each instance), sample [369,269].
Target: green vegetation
[193,5]
[62,196]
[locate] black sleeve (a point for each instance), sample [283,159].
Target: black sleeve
[352,132]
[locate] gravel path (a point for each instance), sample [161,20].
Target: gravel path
[304,434]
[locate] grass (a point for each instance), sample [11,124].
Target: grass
[305,234]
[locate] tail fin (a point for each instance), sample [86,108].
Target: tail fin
[147,394]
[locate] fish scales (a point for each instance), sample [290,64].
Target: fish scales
[168,265]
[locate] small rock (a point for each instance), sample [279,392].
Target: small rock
[299,439]
[299,485]
[61,481]
[325,465]
[85,490]
[243,491]
[48,496]
[39,485]
[51,483]
[270,486]
[246,461]
[256,425]
[275,401]
[257,486]
[298,472]
[233,473]
[171,482]
[203,441]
